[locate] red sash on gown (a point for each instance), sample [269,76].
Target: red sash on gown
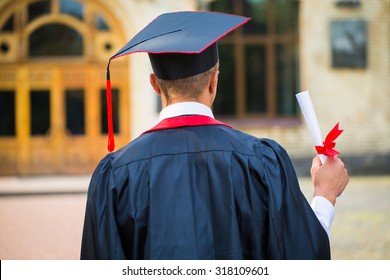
[186,120]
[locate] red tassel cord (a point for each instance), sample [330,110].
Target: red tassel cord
[111,141]
[329,144]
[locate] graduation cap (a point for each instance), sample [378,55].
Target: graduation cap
[179,44]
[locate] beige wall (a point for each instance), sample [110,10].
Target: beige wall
[358,98]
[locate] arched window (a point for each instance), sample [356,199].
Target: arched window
[55,40]
[259,72]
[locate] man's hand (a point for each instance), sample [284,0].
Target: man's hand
[329,179]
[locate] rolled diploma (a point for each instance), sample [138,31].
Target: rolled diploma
[309,114]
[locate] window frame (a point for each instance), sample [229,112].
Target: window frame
[270,41]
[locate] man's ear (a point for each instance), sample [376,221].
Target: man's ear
[153,82]
[213,82]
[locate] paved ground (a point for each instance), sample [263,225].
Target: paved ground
[43,225]
[361,228]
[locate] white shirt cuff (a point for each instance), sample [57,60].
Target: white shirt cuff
[324,211]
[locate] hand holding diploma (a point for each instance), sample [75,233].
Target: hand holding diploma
[329,180]
[324,148]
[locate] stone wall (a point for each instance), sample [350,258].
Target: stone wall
[357,98]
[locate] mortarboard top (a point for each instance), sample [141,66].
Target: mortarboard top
[179,44]
[183,34]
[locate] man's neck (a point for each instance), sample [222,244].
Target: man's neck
[185,108]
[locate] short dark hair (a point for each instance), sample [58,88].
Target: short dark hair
[189,87]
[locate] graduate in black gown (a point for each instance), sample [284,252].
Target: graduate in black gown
[193,187]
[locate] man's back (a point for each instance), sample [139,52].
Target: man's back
[203,192]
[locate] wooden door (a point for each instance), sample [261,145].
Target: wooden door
[60,118]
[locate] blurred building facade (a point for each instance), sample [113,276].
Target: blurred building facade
[54,54]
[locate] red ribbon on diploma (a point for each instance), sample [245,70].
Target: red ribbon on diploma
[329,143]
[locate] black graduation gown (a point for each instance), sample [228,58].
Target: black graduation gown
[201,192]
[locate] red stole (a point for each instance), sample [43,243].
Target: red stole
[186,120]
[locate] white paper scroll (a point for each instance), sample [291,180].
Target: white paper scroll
[311,119]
